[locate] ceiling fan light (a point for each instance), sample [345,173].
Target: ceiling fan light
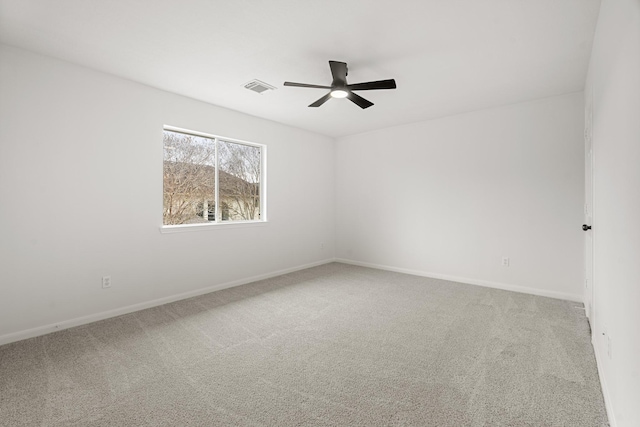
[338,93]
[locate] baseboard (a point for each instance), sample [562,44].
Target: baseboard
[78,321]
[466,280]
[70,323]
[603,384]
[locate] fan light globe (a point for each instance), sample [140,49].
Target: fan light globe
[339,93]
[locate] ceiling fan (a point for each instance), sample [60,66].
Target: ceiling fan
[340,88]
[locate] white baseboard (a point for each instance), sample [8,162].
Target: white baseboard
[485,283]
[70,323]
[603,384]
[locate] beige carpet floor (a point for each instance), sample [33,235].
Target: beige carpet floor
[334,345]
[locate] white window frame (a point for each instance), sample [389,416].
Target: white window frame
[177,228]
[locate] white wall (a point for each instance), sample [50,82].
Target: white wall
[81,196]
[614,79]
[450,197]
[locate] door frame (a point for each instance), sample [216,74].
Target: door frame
[589,267]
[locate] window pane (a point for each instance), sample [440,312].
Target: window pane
[189,179]
[239,186]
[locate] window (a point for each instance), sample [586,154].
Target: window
[209,179]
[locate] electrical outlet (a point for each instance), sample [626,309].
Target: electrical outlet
[609,346]
[505,261]
[106,282]
[321,245]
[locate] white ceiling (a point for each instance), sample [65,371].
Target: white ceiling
[447,56]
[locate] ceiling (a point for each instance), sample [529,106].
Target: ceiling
[447,56]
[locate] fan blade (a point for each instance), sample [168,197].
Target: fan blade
[306,85]
[339,73]
[380,84]
[321,101]
[359,101]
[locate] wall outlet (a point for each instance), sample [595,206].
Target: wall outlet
[106,282]
[505,261]
[321,245]
[609,346]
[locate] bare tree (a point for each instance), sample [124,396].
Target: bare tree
[240,180]
[189,177]
[189,180]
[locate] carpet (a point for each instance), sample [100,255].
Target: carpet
[334,345]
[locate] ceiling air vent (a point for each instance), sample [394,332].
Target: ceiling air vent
[258,86]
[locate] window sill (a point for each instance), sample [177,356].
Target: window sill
[210,226]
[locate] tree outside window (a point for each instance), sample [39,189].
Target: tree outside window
[192,167]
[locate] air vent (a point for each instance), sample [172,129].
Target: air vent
[258,86]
